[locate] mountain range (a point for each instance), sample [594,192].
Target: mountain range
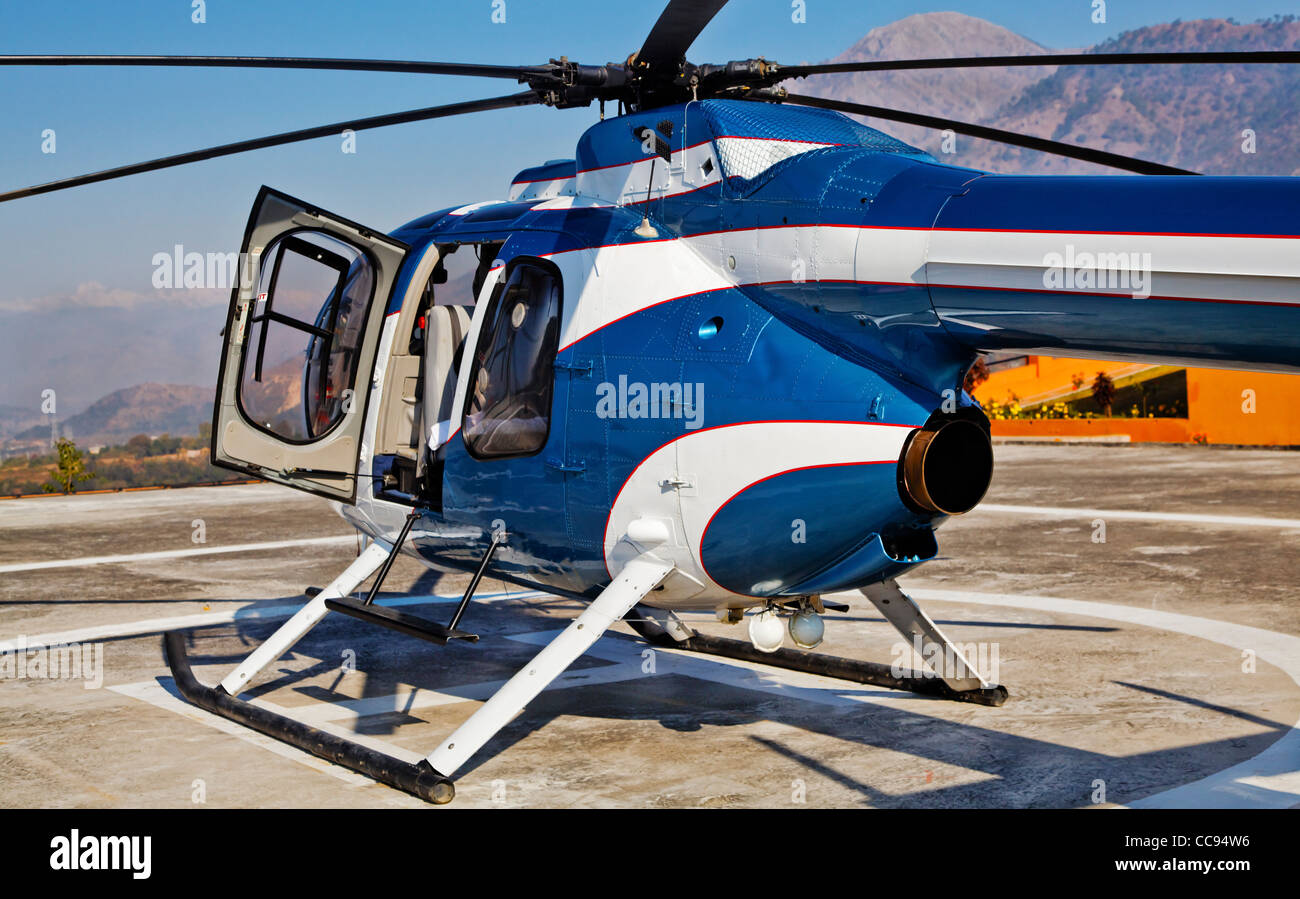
[150,408]
[1191,116]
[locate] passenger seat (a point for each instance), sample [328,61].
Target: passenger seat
[445,330]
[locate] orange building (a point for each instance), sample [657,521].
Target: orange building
[1215,406]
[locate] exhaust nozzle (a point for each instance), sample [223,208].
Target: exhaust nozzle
[947,466]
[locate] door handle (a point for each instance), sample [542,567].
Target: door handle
[579,369]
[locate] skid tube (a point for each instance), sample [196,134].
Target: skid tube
[839,667]
[419,780]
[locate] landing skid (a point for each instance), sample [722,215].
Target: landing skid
[418,780]
[430,779]
[961,683]
[873,673]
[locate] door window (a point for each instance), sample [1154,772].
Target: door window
[508,403]
[304,336]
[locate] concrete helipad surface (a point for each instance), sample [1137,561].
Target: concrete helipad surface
[1159,667]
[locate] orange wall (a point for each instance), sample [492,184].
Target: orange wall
[1139,430]
[1214,405]
[1048,375]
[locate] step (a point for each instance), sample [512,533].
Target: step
[397,620]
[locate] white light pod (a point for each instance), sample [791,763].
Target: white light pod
[806,628]
[766,632]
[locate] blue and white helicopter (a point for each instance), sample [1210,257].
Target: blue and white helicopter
[713,362]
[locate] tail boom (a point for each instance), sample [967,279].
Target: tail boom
[1186,271]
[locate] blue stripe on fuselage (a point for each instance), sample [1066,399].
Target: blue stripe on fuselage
[1147,204]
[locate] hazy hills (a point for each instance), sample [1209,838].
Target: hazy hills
[19,418]
[1189,116]
[971,94]
[153,409]
[85,352]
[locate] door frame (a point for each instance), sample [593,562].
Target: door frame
[234,436]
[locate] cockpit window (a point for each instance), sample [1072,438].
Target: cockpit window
[508,407]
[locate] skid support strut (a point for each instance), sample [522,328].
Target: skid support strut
[956,680]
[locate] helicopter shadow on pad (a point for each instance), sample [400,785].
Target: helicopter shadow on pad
[692,693]
[1019,770]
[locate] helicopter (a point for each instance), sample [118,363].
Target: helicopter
[715,361]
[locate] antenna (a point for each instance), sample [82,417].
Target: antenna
[645,229]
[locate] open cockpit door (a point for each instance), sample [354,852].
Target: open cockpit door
[301,337]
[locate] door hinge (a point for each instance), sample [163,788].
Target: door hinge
[575,466]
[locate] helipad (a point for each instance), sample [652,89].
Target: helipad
[1160,667]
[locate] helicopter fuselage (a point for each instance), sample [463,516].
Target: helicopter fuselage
[765,319]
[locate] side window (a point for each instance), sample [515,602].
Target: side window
[463,268]
[508,407]
[301,351]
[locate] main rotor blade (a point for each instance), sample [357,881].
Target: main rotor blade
[1073,151]
[519,73]
[1050,59]
[380,121]
[677,28]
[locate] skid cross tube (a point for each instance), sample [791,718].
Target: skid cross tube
[419,779]
[304,619]
[637,578]
[919,630]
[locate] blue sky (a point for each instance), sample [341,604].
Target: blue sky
[107,234]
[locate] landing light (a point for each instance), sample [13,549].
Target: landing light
[806,628]
[765,631]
